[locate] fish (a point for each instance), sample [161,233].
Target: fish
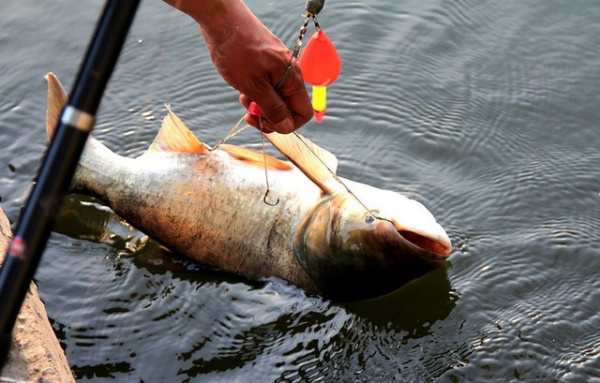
[328,235]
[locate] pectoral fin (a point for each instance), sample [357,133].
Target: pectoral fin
[315,162]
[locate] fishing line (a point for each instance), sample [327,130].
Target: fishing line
[312,8]
[232,132]
[335,176]
[237,129]
[264,152]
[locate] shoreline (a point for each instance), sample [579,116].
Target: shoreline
[35,354]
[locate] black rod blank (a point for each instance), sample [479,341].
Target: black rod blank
[59,163]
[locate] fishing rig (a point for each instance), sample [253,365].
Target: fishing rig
[62,155]
[320,65]
[320,62]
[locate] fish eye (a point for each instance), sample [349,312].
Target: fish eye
[369,219]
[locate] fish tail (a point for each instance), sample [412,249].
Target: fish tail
[57,100]
[94,152]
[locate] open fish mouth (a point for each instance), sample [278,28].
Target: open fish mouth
[438,249]
[430,238]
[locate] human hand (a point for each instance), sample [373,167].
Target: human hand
[253,61]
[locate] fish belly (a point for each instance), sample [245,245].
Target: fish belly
[210,208]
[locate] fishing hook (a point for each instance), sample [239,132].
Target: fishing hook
[264,151]
[267,202]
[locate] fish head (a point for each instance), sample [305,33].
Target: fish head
[361,248]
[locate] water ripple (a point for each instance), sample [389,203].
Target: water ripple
[484,111]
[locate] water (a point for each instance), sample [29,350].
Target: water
[487,112]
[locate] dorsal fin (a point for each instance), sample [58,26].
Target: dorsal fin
[57,99]
[174,136]
[315,162]
[253,157]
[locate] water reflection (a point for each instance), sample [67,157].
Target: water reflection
[223,328]
[83,218]
[413,308]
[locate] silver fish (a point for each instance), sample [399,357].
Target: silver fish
[343,240]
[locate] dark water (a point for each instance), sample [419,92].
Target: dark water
[486,111]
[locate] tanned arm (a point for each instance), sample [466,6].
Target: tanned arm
[252,60]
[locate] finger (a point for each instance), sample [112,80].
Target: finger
[245,101]
[253,119]
[285,109]
[298,107]
[297,100]
[259,123]
[275,111]
[287,126]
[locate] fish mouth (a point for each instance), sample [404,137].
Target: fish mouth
[431,239]
[438,248]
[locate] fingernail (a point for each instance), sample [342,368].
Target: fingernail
[285,126]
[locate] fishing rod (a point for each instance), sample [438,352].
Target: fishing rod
[59,163]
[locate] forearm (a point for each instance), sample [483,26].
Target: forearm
[215,16]
[225,24]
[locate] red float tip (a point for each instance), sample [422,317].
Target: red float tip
[319,115]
